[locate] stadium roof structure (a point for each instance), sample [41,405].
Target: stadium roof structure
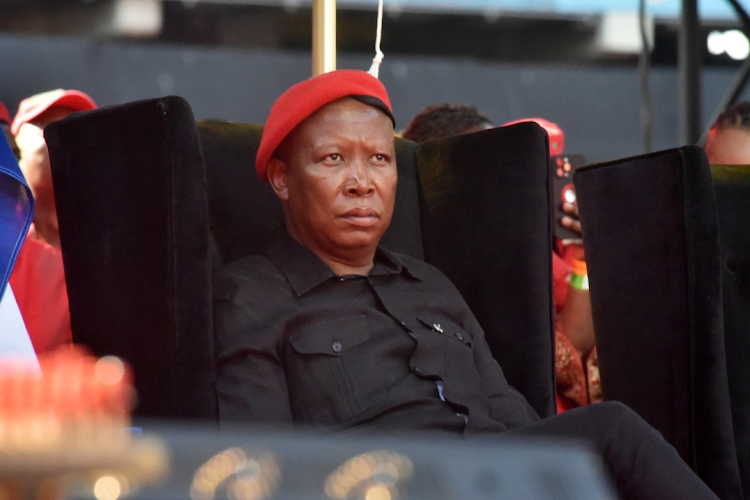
[669,9]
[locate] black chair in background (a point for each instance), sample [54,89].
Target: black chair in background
[488,202]
[148,202]
[652,246]
[732,186]
[130,190]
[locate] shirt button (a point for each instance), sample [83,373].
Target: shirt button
[336,346]
[417,370]
[459,336]
[342,279]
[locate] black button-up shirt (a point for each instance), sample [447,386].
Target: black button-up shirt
[397,349]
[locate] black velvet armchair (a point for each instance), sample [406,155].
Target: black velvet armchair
[732,187]
[652,246]
[149,202]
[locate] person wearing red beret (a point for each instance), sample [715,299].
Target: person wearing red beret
[38,278]
[328,329]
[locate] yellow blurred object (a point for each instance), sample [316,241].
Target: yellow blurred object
[324,36]
[250,476]
[370,476]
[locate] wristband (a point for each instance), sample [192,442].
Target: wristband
[579,267]
[579,278]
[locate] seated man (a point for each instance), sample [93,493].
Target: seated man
[328,329]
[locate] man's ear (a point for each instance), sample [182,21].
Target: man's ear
[277,177]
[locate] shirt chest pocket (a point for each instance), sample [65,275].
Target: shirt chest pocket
[331,338]
[458,355]
[447,329]
[323,367]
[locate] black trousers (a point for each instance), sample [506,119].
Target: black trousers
[641,463]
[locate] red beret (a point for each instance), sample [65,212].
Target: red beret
[555,133]
[4,114]
[33,106]
[306,97]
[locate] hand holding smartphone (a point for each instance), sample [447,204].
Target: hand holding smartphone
[563,191]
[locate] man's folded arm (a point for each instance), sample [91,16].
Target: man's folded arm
[507,404]
[251,384]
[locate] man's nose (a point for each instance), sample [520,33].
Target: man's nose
[359,182]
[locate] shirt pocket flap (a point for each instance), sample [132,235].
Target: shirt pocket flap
[447,328]
[332,337]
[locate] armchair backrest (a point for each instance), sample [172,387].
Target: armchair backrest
[732,186]
[131,201]
[652,247]
[489,229]
[243,209]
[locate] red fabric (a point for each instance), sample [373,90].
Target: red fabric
[578,382]
[4,113]
[38,282]
[33,106]
[555,133]
[304,99]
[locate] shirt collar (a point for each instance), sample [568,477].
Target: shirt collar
[304,270]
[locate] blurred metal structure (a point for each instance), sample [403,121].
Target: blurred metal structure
[689,60]
[249,464]
[324,36]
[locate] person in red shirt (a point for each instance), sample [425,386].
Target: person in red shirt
[34,114]
[576,361]
[38,278]
[38,282]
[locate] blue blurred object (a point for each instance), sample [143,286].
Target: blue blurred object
[708,9]
[16,211]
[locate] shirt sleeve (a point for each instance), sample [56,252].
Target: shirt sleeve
[251,384]
[507,405]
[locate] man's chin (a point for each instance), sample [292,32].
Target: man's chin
[360,239]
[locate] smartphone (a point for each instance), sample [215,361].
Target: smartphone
[563,190]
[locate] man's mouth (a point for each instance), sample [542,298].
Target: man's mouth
[362,217]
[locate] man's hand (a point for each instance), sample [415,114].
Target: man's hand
[575,316]
[571,222]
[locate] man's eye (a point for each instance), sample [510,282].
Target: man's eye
[380,157]
[334,156]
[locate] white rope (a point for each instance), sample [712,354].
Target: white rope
[375,68]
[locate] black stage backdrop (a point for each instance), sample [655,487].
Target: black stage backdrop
[597,107]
